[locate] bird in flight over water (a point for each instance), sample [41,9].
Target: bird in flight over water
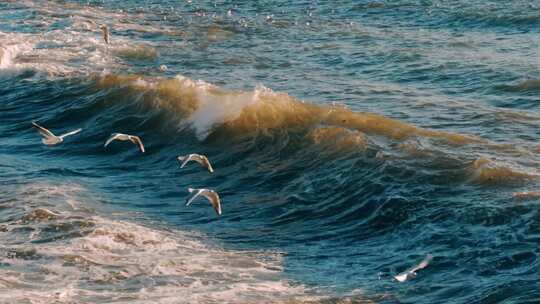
[201,159]
[119,136]
[210,195]
[49,138]
[411,273]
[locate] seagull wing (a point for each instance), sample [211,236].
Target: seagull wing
[70,133]
[113,137]
[206,163]
[44,132]
[194,196]
[137,140]
[198,158]
[185,159]
[213,197]
[422,264]
[402,277]
[201,159]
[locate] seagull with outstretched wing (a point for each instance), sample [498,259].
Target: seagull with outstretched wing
[210,195]
[49,138]
[411,273]
[201,159]
[120,136]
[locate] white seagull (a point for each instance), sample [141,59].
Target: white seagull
[201,159]
[49,138]
[211,195]
[119,136]
[105,30]
[411,273]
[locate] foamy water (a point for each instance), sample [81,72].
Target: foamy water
[67,253]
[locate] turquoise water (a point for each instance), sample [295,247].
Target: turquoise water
[349,140]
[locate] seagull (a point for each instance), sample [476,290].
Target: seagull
[211,195]
[49,138]
[201,159]
[411,273]
[105,30]
[119,136]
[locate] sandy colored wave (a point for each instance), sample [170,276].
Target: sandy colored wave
[489,171]
[263,110]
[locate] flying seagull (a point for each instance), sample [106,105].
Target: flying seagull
[411,273]
[119,136]
[105,30]
[201,159]
[49,138]
[210,195]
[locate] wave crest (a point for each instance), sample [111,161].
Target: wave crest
[262,110]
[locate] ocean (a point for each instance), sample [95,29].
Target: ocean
[349,139]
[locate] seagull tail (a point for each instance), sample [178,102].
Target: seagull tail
[190,190]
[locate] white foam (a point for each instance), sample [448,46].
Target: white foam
[216,106]
[116,260]
[12,45]
[217,109]
[74,50]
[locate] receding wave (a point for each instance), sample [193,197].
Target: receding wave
[64,252]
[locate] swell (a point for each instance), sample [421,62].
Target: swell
[261,110]
[255,124]
[261,140]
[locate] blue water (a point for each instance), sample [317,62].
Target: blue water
[349,140]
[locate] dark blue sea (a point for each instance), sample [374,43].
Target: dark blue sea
[350,140]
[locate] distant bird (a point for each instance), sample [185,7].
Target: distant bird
[211,195]
[49,138]
[163,68]
[201,159]
[105,30]
[119,136]
[411,273]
